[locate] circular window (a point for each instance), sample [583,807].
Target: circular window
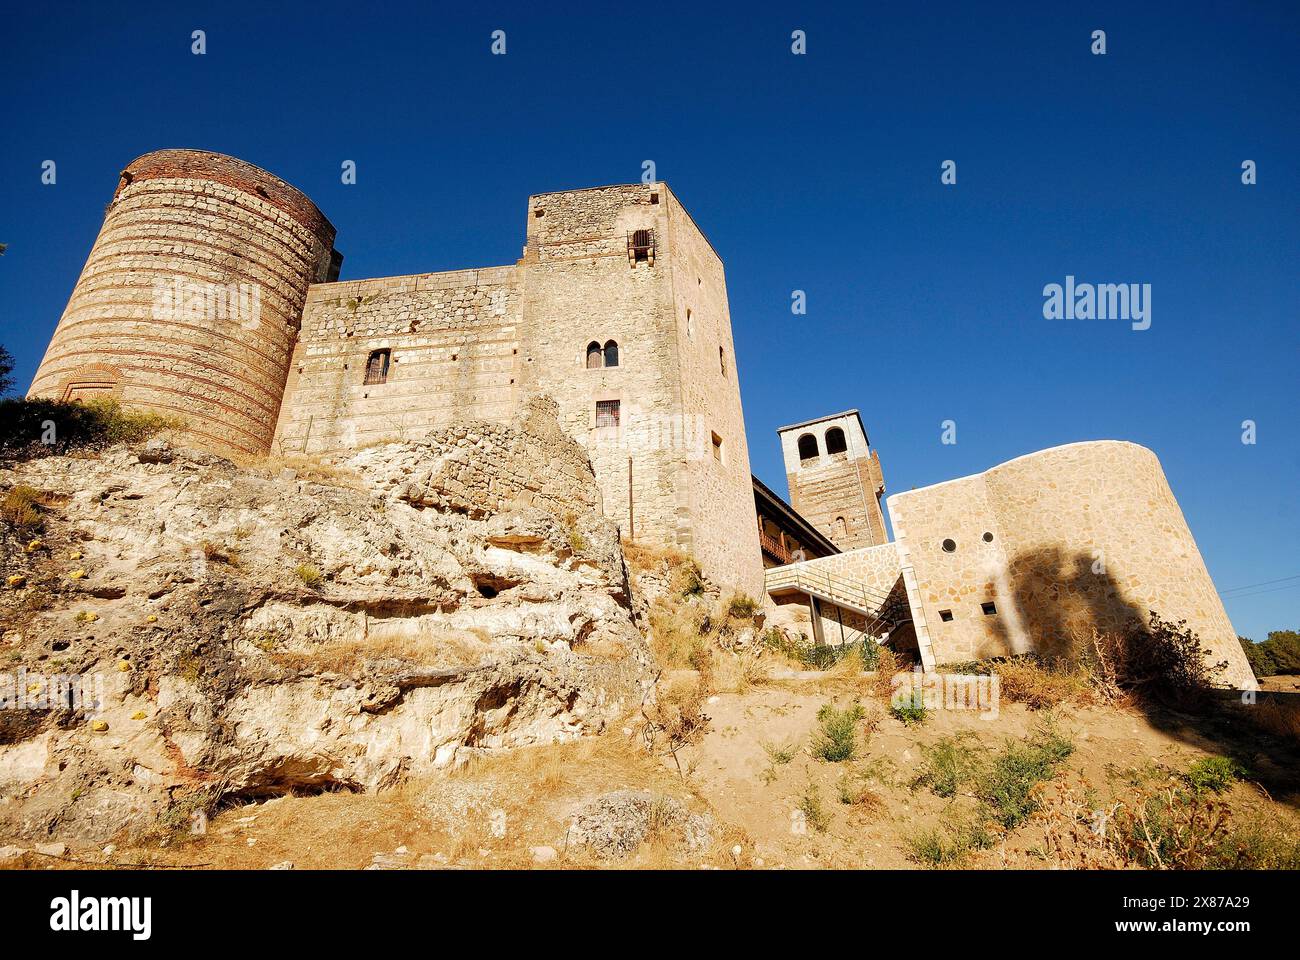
[949,546]
[988,537]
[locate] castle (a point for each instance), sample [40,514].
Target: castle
[212,293]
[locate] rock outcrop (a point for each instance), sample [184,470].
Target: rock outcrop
[249,631]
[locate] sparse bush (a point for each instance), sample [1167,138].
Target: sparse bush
[21,509]
[1040,685]
[309,575]
[741,607]
[909,712]
[1163,660]
[217,553]
[813,811]
[780,754]
[675,718]
[1007,786]
[949,764]
[839,739]
[577,542]
[949,846]
[1215,774]
[90,425]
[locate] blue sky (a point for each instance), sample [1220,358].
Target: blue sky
[818,172]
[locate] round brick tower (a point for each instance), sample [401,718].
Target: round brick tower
[190,300]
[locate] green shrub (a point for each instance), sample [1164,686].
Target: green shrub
[814,813]
[1215,774]
[949,764]
[1007,786]
[309,575]
[912,714]
[741,607]
[949,846]
[839,737]
[40,427]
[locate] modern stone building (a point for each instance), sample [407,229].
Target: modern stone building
[208,294]
[1031,555]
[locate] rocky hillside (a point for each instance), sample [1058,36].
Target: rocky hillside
[281,626]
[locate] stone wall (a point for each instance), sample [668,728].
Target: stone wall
[1059,541]
[453,342]
[190,299]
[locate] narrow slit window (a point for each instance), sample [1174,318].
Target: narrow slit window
[607,413]
[377,366]
[945,615]
[717,448]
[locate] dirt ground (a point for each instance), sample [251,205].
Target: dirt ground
[775,805]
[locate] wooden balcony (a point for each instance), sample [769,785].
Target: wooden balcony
[774,548]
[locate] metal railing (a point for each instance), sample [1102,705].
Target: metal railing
[883,611]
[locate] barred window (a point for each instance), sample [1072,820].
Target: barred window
[377,366]
[607,413]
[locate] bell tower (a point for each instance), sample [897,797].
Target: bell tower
[835,478]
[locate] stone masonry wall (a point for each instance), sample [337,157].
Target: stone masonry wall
[454,343]
[723,534]
[1060,541]
[190,298]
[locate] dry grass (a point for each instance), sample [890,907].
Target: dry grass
[1039,688]
[644,558]
[21,509]
[309,468]
[1281,718]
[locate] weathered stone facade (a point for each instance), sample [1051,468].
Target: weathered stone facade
[157,320]
[190,299]
[835,479]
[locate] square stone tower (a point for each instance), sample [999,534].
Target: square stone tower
[835,478]
[624,321]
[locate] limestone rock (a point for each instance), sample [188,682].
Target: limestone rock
[488,609]
[615,824]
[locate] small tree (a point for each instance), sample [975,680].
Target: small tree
[6,368]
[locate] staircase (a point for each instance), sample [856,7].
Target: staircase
[883,613]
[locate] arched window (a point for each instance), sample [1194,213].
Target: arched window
[377,366]
[808,448]
[611,354]
[835,441]
[841,528]
[594,356]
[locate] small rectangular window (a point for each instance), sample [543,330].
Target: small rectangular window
[988,608]
[607,413]
[377,366]
[945,615]
[654,198]
[717,448]
[539,213]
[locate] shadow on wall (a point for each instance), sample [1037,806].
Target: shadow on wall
[1058,599]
